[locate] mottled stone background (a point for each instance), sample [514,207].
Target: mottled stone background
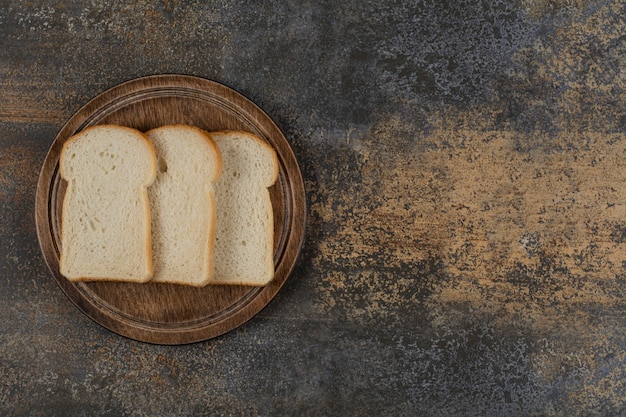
[464,164]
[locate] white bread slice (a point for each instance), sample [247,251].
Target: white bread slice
[105,221]
[245,224]
[182,204]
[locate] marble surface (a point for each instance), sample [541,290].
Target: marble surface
[464,163]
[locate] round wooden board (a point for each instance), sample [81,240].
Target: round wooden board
[164,313]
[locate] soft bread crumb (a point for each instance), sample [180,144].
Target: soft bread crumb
[245,223]
[105,223]
[183,205]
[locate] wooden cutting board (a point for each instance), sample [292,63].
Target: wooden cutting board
[164,313]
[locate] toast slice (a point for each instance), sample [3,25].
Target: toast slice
[182,204]
[105,220]
[244,244]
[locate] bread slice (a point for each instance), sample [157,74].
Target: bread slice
[105,220]
[244,245]
[183,205]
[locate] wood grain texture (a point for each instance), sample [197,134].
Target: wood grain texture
[165,313]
